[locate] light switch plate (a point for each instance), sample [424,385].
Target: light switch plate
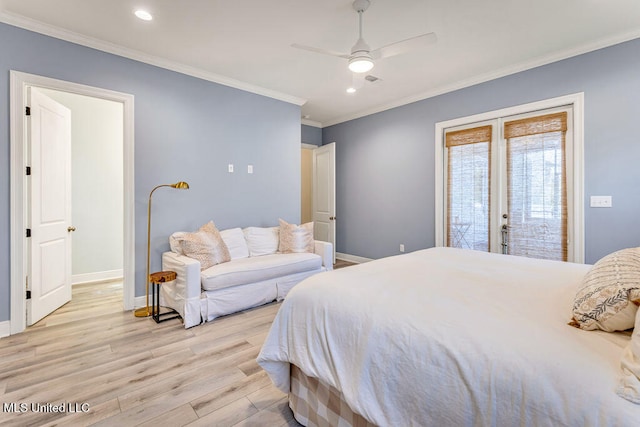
[600,201]
[250,169]
[230,167]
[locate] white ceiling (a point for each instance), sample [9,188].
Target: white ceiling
[246,44]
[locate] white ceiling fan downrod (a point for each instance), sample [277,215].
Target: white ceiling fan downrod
[360,60]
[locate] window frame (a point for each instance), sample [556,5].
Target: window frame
[575,165]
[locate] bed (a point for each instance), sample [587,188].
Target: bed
[445,337]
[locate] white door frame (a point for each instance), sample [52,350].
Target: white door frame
[575,100]
[18,145]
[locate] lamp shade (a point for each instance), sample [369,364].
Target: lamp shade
[181,185]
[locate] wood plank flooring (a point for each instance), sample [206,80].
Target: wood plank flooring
[109,368]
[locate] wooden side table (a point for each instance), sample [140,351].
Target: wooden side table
[157,279]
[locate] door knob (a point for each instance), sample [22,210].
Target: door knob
[71,228]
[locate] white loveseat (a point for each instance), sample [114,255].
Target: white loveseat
[257,274]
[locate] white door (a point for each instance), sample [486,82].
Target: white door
[49,210]
[324,194]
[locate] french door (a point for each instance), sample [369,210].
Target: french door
[507,183]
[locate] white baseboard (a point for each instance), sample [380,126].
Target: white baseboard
[99,276]
[5,329]
[139,302]
[352,258]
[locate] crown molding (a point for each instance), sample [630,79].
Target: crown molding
[311,123]
[76,38]
[503,72]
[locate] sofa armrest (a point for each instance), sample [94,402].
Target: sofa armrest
[325,250]
[188,273]
[183,293]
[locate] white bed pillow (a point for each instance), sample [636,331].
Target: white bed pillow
[608,296]
[629,386]
[235,241]
[262,240]
[205,245]
[296,238]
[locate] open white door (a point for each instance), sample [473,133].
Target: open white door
[49,210]
[324,194]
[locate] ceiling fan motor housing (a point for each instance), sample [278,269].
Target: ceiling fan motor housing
[360,47]
[361,5]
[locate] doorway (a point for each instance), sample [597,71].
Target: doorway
[96,199]
[510,181]
[20,265]
[319,191]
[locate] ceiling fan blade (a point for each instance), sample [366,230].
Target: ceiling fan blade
[322,51]
[403,46]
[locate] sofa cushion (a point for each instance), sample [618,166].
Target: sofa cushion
[296,238]
[255,269]
[235,241]
[262,240]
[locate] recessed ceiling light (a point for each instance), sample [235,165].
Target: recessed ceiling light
[351,90]
[144,15]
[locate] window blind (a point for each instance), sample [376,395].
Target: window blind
[468,195]
[537,186]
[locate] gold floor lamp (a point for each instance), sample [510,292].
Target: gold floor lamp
[181,185]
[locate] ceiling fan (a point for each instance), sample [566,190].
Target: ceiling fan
[361,57]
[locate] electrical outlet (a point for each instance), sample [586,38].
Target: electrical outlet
[230,167]
[250,169]
[401,247]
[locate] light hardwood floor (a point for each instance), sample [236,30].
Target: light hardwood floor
[130,371]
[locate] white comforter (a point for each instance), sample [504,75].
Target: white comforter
[449,337]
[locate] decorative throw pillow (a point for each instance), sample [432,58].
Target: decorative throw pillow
[261,240]
[235,241]
[609,296]
[629,386]
[206,245]
[296,238]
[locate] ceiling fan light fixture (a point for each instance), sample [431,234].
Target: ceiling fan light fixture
[360,64]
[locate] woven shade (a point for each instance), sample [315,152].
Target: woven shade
[537,187]
[468,180]
[468,136]
[536,125]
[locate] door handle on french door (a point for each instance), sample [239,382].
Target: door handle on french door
[71,228]
[505,232]
[332,218]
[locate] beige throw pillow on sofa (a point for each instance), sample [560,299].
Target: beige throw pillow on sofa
[296,238]
[206,245]
[609,294]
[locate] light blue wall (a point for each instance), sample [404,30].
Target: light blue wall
[311,135]
[385,161]
[185,129]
